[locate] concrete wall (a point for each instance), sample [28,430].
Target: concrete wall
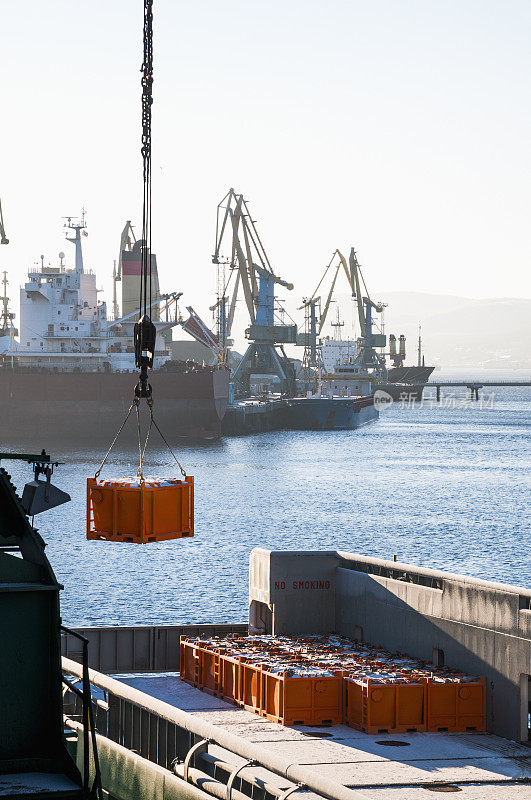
[297,586]
[479,627]
[139,648]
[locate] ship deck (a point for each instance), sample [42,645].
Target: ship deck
[480,766]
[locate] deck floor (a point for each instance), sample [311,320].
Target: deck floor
[481,766]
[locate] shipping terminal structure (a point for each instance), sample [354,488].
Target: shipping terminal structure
[72,364]
[355,678]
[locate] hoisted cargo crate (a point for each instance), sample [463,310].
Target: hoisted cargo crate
[140,510]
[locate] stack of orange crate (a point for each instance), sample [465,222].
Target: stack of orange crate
[325,680]
[312,696]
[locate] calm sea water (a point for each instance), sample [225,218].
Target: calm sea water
[443,486]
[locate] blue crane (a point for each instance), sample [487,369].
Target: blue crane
[250,271]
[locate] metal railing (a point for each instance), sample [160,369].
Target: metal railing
[178,741]
[142,648]
[89,728]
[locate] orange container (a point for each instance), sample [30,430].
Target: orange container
[297,700]
[457,705]
[230,677]
[130,510]
[190,668]
[385,707]
[210,672]
[250,686]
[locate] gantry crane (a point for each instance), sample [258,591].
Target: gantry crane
[249,268]
[3,237]
[367,355]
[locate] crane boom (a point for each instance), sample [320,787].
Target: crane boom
[3,237]
[127,240]
[356,291]
[250,267]
[248,255]
[243,267]
[355,279]
[324,314]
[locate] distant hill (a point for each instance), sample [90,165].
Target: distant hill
[458,331]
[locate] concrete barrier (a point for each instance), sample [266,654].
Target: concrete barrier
[479,627]
[140,648]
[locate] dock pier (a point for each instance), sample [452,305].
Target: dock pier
[253,415]
[474,386]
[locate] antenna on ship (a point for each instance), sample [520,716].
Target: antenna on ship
[78,226]
[136,514]
[337,325]
[6,317]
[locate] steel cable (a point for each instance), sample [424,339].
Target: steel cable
[120,429]
[153,422]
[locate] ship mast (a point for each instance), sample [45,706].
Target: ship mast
[337,325]
[77,226]
[5,316]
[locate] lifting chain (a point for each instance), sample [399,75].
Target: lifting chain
[141,449]
[145,332]
[147,102]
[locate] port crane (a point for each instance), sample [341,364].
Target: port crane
[249,267]
[3,237]
[316,316]
[6,317]
[127,240]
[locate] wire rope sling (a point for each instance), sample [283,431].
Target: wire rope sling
[137,508]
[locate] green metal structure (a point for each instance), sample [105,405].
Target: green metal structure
[33,757]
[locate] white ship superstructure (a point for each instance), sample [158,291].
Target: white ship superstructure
[341,374]
[64,327]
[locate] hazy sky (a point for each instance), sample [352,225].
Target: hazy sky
[403,128]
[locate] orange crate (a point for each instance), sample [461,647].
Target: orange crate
[230,677]
[250,686]
[297,700]
[127,510]
[457,705]
[190,668]
[391,707]
[210,671]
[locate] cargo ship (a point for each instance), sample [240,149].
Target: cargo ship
[343,398]
[405,381]
[413,374]
[71,375]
